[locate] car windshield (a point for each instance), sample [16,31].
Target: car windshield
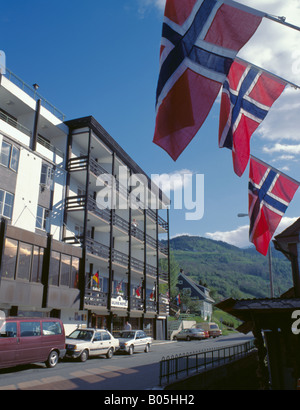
[81,335]
[197,330]
[127,335]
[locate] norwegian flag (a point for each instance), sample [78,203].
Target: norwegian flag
[270,193]
[200,39]
[119,286]
[247,96]
[138,291]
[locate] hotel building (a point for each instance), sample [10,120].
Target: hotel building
[81,222]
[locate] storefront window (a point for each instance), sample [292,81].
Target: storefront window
[9,259]
[54,268]
[75,273]
[24,261]
[65,270]
[37,264]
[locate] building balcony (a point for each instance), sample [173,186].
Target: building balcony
[136,303]
[95,298]
[14,123]
[30,91]
[162,224]
[97,249]
[151,305]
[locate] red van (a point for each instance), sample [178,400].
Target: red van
[31,340]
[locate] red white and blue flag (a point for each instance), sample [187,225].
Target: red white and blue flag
[270,193]
[200,39]
[247,96]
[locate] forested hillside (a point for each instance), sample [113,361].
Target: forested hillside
[230,271]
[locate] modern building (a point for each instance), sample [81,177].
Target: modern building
[81,221]
[198,293]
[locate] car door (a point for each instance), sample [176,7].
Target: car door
[96,345]
[140,342]
[106,342]
[8,344]
[30,342]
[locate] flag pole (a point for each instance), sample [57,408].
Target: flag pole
[277,19]
[269,72]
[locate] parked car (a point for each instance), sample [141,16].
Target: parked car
[212,328]
[193,333]
[83,343]
[134,340]
[31,340]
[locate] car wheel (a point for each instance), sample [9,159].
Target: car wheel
[174,338]
[84,356]
[131,349]
[52,359]
[110,353]
[188,338]
[147,348]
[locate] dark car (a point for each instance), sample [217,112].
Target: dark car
[189,334]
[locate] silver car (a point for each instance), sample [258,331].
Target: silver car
[189,334]
[83,343]
[134,340]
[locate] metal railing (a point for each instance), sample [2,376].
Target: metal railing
[14,123]
[33,93]
[174,367]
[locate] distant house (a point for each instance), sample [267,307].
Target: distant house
[196,292]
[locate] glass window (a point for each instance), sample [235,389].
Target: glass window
[14,161]
[65,270]
[37,264]
[46,175]
[74,283]
[5,154]
[6,204]
[9,258]
[51,328]
[9,329]
[28,329]
[105,336]
[41,218]
[54,268]
[9,156]
[24,260]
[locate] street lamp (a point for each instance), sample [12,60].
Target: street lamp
[241,215]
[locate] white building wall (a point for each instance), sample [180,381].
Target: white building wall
[27,191]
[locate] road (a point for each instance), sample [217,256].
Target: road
[123,372]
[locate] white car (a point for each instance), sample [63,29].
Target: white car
[83,343]
[134,340]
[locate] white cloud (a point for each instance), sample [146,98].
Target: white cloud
[237,237]
[145,5]
[240,237]
[286,148]
[174,181]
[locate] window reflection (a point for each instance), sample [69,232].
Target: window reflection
[9,258]
[37,264]
[75,273]
[24,262]
[65,270]
[54,268]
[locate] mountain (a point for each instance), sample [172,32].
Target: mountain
[230,271]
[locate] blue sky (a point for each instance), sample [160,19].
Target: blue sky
[101,58]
